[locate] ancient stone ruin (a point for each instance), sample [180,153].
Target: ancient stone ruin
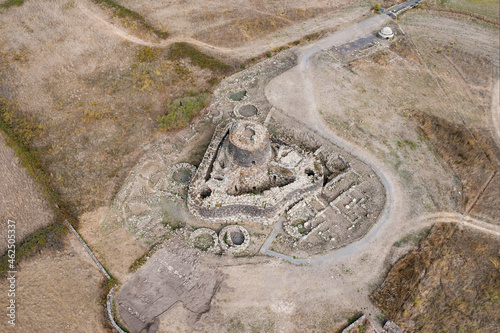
[246,175]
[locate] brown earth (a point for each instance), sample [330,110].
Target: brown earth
[115,248]
[173,275]
[451,283]
[100,109]
[57,290]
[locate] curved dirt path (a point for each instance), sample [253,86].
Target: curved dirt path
[136,40]
[259,46]
[293,92]
[461,220]
[298,101]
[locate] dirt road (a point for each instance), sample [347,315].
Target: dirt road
[294,93]
[247,50]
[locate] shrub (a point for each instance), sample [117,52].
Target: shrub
[10,3]
[184,50]
[182,110]
[124,12]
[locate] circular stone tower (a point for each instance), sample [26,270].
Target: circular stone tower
[248,145]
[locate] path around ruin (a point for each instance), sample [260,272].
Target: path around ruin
[293,93]
[307,114]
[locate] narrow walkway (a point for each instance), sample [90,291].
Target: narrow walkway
[265,247]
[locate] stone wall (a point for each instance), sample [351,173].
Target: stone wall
[251,213]
[289,177]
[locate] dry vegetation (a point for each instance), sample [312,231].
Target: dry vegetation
[96,109]
[97,99]
[487,9]
[81,103]
[231,23]
[21,198]
[471,155]
[451,283]
[58,290]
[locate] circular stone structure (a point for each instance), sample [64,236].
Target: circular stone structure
[234,239]
[181,173]
[386,33]
[248,144]
[202,232]
[246,111]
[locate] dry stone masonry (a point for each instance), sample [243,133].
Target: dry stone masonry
[247,176]
[234,239]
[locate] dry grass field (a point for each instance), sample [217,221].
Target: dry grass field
[427,74]
[98,96]
[231,23]
[451,283]
[488,8]
[20,199]
[93,94]
[58,290]
[99,83]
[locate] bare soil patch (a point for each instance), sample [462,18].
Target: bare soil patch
[173,275]
[115,248]
[451,282]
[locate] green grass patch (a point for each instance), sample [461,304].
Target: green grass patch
[10,3]
[184,50]
[203,242]
[124,12]
[413,238]
[50,235]
[408,143]
[182,110]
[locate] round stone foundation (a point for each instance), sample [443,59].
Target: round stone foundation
[234,239]
[246,111]
[248,144]
[200,243]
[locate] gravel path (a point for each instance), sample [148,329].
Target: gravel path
[294,93]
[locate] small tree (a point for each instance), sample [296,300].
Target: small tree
[377,7]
